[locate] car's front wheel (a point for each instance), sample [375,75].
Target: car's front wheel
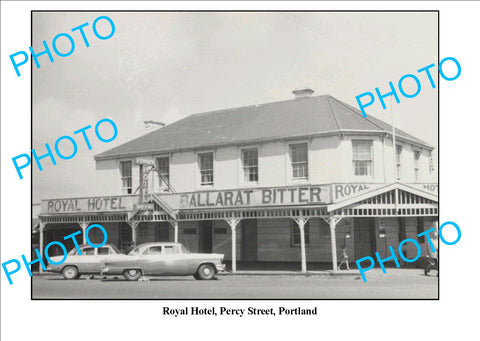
[70,272]
[132,274]
[206,271]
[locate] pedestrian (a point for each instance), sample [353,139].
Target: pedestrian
[434,255]
[344,258]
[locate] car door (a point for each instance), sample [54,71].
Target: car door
[100,257]
[175,262]
[84,261]
[153,261]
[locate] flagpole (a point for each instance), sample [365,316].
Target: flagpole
[395,175]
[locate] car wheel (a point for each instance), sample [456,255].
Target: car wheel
[70,272]
[132,274]
[196,276]
[206,271]
[427,270]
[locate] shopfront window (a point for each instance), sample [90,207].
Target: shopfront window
[126,174]
[250,165]
[206,169]
[299,159]
[362,157]
[163,168]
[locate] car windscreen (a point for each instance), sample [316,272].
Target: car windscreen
[135,251]
[72,252]
[115,249]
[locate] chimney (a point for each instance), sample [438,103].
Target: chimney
[152,125]
[300,93]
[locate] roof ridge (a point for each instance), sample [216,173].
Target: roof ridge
[332,111]
[254,105]
[409,136]
[350,108]
[238,124]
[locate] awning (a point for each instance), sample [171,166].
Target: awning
[396,199]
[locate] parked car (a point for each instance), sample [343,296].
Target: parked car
[89,262]
[164,259]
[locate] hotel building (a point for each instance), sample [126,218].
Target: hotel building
[290,181]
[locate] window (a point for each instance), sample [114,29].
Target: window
[250,165]
[295,234]
[362,157]
[190,230]
[163,170]
[299,158]
[103,251]
[206,169]
[88,251]
[416,158]
[220,230]
[153,250]
[399,166]
[126,174]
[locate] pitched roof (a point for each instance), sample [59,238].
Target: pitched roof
[298,117]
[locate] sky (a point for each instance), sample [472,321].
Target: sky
[164,66]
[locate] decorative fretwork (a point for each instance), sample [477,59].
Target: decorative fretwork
[383,205]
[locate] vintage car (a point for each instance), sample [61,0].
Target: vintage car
[89,262]
[164,259]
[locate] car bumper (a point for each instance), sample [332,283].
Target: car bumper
[220,267]
[51,268]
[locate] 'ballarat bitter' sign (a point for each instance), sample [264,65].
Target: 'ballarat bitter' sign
[257,197]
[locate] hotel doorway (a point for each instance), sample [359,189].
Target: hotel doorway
[248,251]
[205,236]
[365,241]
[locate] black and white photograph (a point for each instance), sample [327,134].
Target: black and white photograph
[228,146]
[238,169]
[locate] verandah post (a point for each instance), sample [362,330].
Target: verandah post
[233,226]
[301,225]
